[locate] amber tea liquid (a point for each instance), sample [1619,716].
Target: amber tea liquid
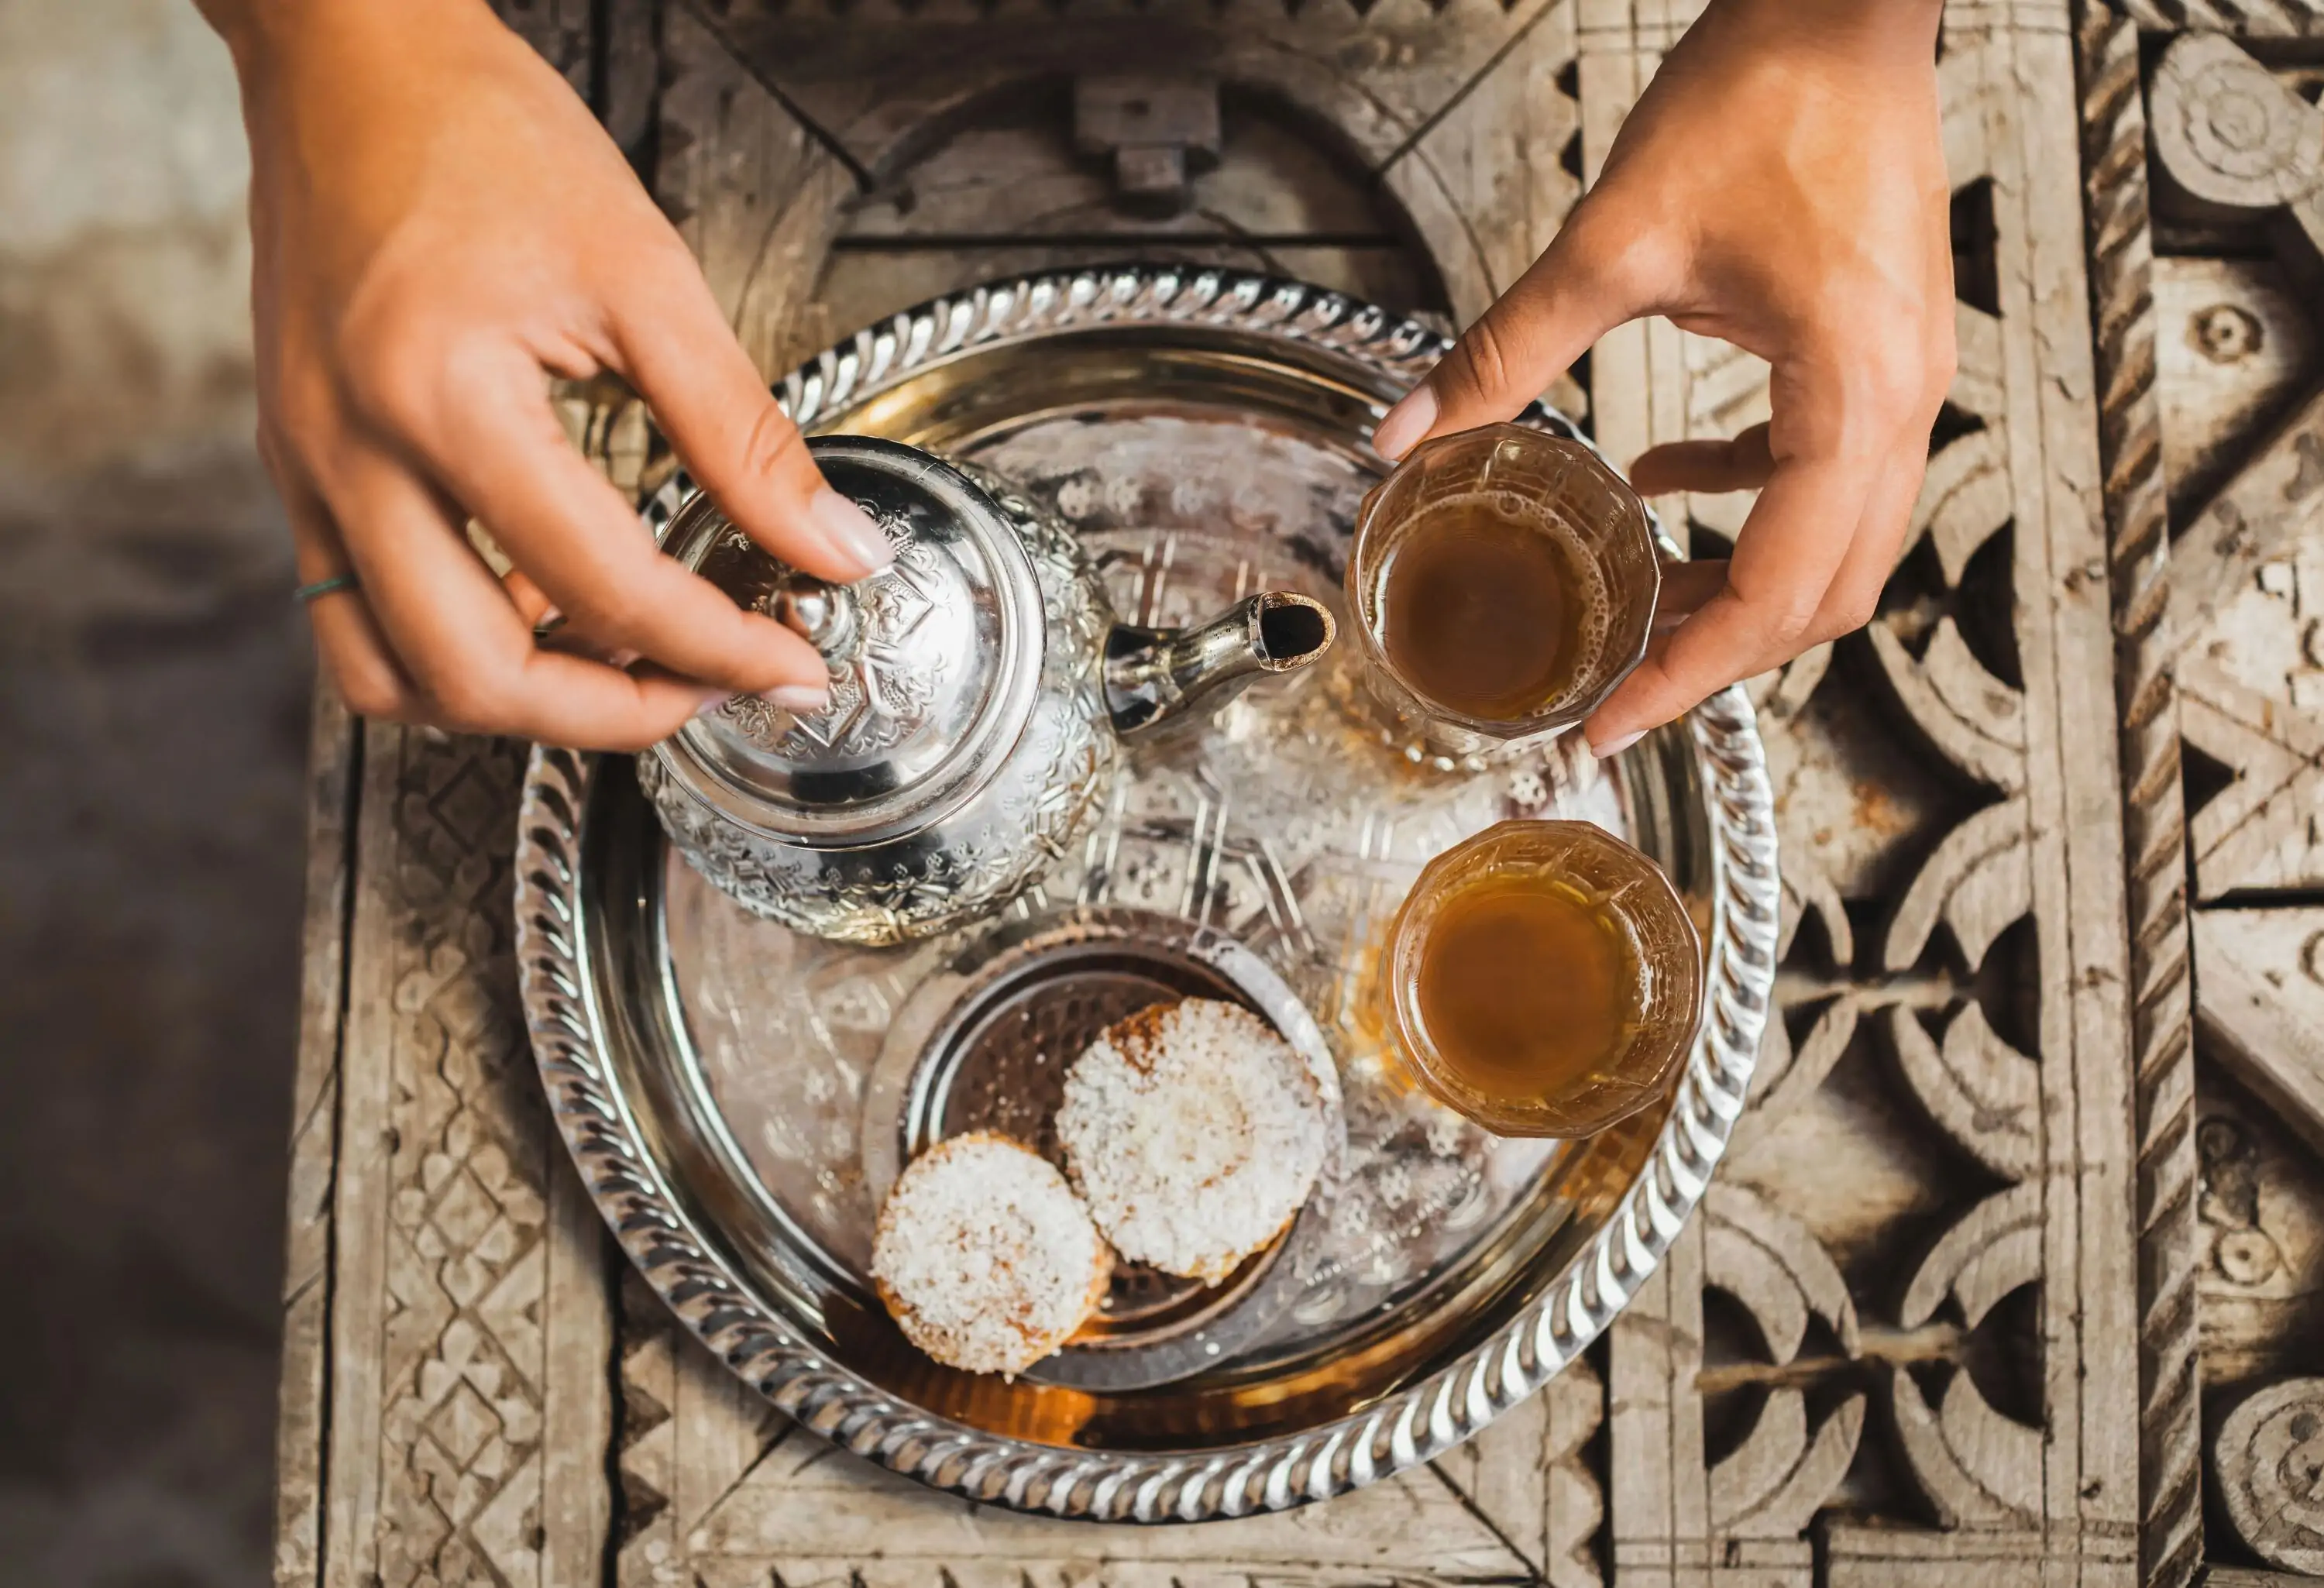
[1526,987]
[1490,609]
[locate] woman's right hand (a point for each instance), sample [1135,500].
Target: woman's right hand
[440,228]
[1781,184]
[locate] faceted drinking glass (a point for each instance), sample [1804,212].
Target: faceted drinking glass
[1527,477]
[1664,957]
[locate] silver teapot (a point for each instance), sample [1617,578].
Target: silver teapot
[979,686]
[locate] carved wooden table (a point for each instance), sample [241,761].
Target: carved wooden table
[2017,1266]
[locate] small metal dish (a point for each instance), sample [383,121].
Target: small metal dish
[983,1044]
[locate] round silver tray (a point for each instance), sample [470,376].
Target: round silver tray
[733,1096]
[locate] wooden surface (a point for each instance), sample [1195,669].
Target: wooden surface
[2016,1268]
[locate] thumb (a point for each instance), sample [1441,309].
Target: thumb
[733,436]
[1567,300]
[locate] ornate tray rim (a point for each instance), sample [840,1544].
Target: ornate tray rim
[1413,1425]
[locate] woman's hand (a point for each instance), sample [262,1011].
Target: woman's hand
[440,227]
[1781,184]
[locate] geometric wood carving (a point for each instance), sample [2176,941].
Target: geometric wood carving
[2232,135]
[1739,1516]
[1772,1485]
[2261,1253]
[1978,880]
[1388,81]
[2261,831]
[1978,1468]
[1975,719]
[2251,19]
[2259,518]
[469,1261]
[1986,1093]
[2248,579]
[2249,659]
[2269,1460]
[2262,974]
[2120,238]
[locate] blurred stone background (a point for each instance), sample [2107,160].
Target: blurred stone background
[153,683]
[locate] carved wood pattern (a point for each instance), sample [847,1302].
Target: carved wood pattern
[468,1323]
[2163,1047]
[2258,19]
[2251,658]
[1954,1228]
[2260,1240]
[2270,1457]
[2247,571]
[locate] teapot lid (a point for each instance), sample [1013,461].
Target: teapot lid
[934,659]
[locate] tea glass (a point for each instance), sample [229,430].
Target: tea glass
[1541,477]
[1664,951]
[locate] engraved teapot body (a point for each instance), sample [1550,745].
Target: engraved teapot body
[979,687]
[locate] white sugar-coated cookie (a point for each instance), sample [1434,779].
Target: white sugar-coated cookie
[985,1258]
[1194,1133]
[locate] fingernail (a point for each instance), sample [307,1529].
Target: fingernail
[712,700]
[1614,747]
[799,700]
[851,532]
[1406,423]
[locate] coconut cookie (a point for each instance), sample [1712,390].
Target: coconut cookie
[1194,1133]
[985,1257]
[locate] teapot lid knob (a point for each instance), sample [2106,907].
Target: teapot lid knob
[823,614]
[934,659]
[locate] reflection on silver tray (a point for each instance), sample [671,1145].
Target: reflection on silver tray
[722,1084]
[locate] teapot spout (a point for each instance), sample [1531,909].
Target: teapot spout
[1155,675]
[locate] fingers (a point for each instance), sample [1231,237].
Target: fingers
[550,629]
[1581,287]
[531,601]
[1687,588]
[470,656]
[1742,464]
[1849,598]
[1820,543]
[480,421]
[684,360]
[1785,562]
[354,654]
[1854,596]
